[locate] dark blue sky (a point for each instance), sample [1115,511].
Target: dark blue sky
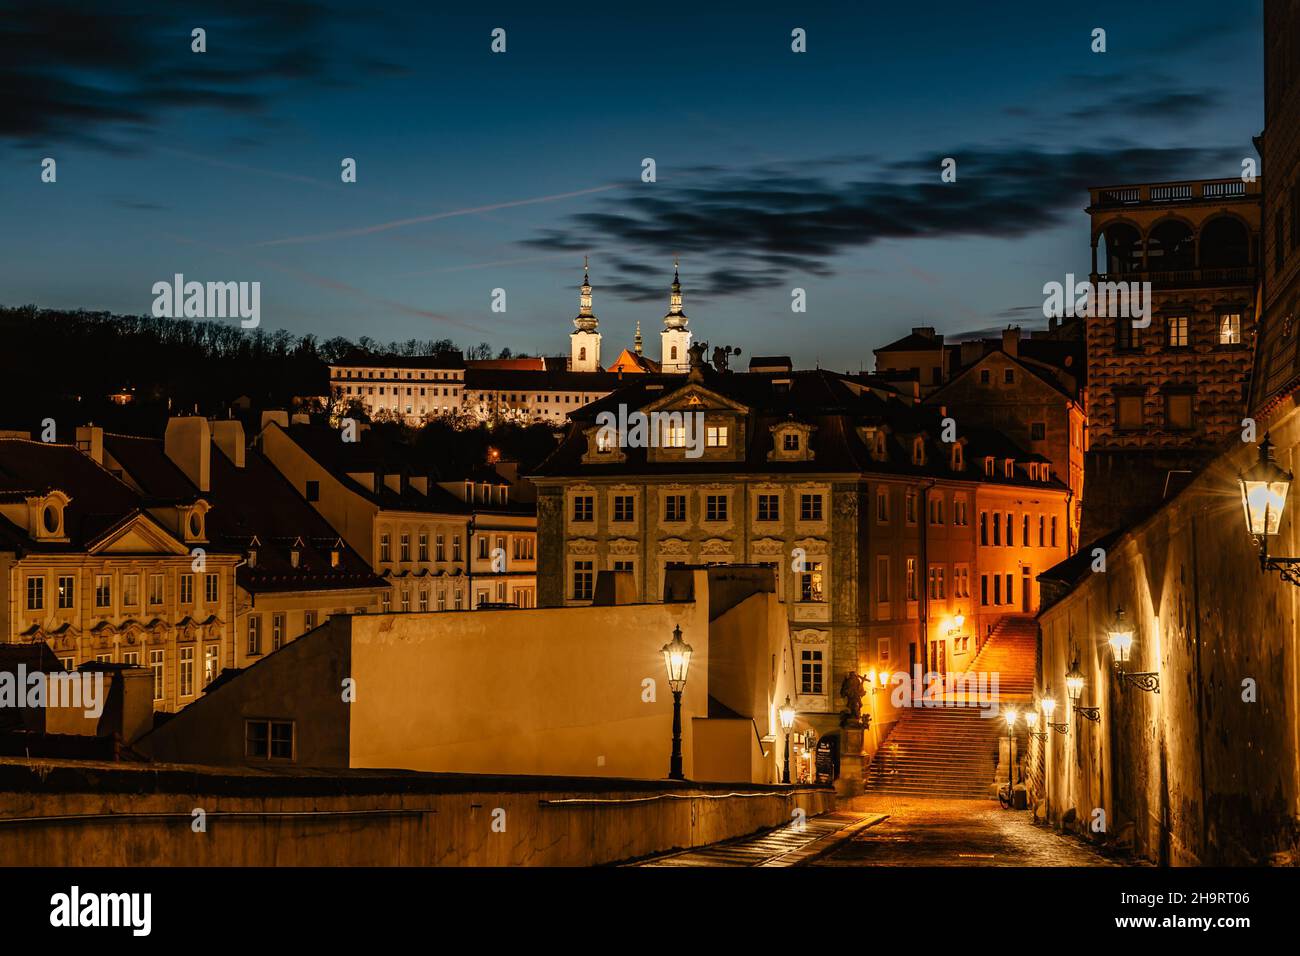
[476,171]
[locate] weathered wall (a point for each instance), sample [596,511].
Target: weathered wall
[302,681]
[1197,774]
[364,818]
[554,690]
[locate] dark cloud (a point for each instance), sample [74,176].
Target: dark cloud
[760,230]
[1166,105]
[105,76]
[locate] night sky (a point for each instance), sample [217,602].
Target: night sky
[477,170]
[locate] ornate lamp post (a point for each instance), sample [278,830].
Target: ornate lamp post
[677,661]
[1119,634]
[1264,487]
[1010,715]
[1074,686]
[1048,705]
[787,723]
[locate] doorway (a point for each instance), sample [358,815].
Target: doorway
[1026,590]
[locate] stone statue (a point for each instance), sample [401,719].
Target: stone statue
[853,689]
[697,354]
[720,358]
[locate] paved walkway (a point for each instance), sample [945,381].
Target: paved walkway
[789,845]
[939,832]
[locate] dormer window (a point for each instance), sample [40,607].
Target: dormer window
[715,436]
[295,556]
[918,451]
[252,558]
[878,447]
[790,441]
[469,491]
[46,521]
[334,557]
[958,459]
[1010,468]
[988,466]
[604,441]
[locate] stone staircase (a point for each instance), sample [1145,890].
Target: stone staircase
[952,751]
[1011,652]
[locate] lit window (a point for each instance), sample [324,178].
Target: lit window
[715,436]
[1230,328]
[810,582]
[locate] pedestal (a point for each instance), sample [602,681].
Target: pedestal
[852,761]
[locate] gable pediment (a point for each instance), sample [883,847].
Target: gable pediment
[694,397]
[138,535]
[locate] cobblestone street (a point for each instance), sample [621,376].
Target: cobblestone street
[935,832]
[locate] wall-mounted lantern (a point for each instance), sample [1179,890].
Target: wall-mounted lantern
[1264,487]
[1074,687]
[1119,635]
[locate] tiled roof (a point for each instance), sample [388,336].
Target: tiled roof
[253,504]
[378,455]
[836,404]
[98,500]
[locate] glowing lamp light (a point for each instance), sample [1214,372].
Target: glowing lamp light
[1120,637]
[959,621]
[677,660]
[1264,487]
[1074,682]
[884,678]
[1031,719]
[870,676]
[1048,704]
[1010,715]
[787,715]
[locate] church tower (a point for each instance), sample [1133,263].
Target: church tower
[675,339]
[584,341]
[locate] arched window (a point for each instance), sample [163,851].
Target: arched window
[1171,247]
[1121,251]
[582,354]
[673,354]
[1225,244]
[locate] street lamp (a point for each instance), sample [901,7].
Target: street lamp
[1119,634]
[677,660]
[1264,487]
[1048,705]
[1010,714]
[1074,686]
[787,723]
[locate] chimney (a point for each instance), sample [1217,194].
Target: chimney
[188,443]
[90,441]
[279,416]
[1011,341]
[971,352]
[925,331]
[229,436]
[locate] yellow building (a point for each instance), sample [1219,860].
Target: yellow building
[446,545]
[296,570]
[101,573]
